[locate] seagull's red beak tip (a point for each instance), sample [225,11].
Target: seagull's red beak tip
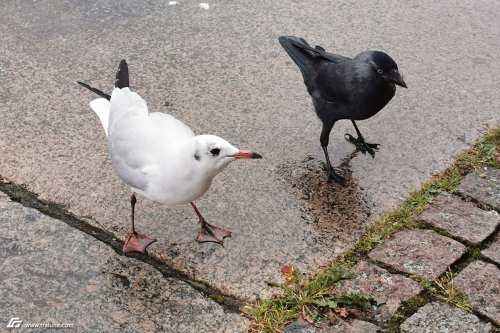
[246,154]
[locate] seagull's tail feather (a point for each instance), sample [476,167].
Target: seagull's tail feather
[95,90]
[101,108]
[124,101]
[300,51]
[122,75]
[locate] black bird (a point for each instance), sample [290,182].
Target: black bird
[344,88]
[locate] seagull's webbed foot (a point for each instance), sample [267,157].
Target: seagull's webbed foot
[212,233]
[362,145]
[137,243]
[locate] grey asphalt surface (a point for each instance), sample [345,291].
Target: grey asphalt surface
[222,71]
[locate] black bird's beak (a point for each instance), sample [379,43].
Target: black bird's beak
[396,78]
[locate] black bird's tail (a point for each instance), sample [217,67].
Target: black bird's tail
[122,75]
[95,90]
[300,51]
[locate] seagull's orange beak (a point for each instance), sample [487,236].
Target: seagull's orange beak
[246,154]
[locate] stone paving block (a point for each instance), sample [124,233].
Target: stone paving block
[376,281]
[493,251]
[420,252]
[483,187]
[460,218]
[481,282]
[339,326]
[441,317]
[52,273]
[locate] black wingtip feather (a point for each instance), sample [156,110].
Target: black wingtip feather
[298,49]
[95,90]
[122,75]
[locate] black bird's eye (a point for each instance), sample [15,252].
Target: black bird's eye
[215,151]
[380,71]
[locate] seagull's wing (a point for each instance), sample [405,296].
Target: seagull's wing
[138,139]
[101,108]
[168,128]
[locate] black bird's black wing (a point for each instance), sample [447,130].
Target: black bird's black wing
[333,82]
[122,75]
[304,54]
[319,68]
[335,58]
[300,51]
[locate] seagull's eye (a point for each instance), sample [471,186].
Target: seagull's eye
[380,71]
[215,151]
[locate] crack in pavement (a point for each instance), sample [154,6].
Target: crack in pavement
[20,194]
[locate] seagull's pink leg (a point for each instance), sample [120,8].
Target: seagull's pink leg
[208,232]
[136,242]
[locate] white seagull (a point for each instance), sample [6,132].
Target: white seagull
[160,157]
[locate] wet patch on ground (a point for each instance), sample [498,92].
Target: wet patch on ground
[338,212]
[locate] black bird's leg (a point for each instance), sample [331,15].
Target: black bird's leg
[325,136]
[332,174]
[360,142]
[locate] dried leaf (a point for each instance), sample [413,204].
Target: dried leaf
[287,270]
[342,312]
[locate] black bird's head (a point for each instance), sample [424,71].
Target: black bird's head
[383,65]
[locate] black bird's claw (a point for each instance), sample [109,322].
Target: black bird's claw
[362,145]
[335,176]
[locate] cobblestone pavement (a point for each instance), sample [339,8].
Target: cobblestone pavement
[451,225]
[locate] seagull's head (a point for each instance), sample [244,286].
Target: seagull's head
[215,153]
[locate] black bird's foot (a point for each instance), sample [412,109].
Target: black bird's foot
[362,145]
[335,176]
